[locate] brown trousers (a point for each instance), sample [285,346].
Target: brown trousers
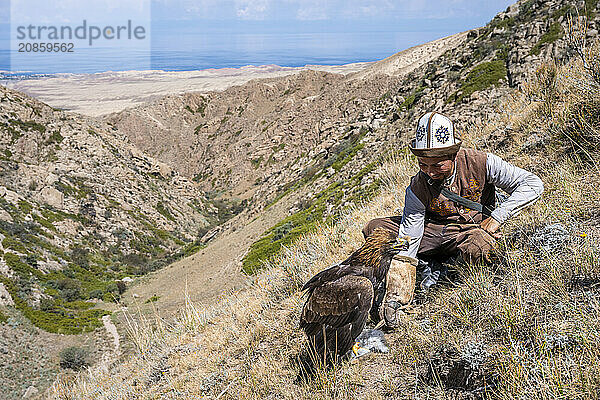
[468,241]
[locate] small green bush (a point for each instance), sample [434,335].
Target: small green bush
[192,248]
[412,99]
[109,297]
[25,207]
[152,299]
[70,289]
[164,211]
[28,125]
[73,358]
[256,162]
[480,78]
[55,138]
[80,255]
[14,244]
[554,33]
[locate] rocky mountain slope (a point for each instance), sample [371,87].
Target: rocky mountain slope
[252,140]
[81,208]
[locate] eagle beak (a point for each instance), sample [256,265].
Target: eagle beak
[401,243]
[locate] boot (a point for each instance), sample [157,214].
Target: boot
[400,289]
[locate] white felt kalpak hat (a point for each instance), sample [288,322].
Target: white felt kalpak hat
[435,137]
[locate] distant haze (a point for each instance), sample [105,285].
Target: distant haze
[192,35]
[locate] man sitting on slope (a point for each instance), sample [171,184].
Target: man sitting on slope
[449,208]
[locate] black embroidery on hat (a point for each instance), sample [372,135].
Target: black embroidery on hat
[420,132]
[442,134]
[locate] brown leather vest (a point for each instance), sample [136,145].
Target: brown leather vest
[470,182]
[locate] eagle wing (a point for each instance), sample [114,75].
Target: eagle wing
[336,312]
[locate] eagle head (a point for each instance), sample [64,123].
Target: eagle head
[383,242]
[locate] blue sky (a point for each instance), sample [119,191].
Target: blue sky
[198,34]
[328,10]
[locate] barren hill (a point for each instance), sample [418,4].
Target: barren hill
[241,140]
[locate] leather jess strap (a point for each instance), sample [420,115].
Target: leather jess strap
[473,205]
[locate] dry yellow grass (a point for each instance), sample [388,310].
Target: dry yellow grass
[527,327]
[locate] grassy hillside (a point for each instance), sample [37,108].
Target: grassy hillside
[526,327]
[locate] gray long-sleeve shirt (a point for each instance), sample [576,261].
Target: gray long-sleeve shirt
[523,187]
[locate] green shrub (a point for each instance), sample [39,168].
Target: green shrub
[412,99]
[73,358]
[55,138]
[480,78]
[44,222]
[121,287]
[47,304]
[109,297]
[78,305]
[152,299]
[256,161]
[198,128]
[554,33]
[79,256]
[65,188]
[164,211]
[134,259]
[13,244]
[505,23]
[52,216]
[202,109]
[69,289]
[25,207]
[192,248]
[28,125]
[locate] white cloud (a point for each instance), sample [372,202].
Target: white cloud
[312,13]
[252,9]
[324,9]
[74,11]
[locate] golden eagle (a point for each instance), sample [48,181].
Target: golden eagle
[341,297]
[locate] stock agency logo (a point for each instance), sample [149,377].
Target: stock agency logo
[89,33]
[80,36]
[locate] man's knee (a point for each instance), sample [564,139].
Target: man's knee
[476,246]
[375,223]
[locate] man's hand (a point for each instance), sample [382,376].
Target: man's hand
[491,226]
